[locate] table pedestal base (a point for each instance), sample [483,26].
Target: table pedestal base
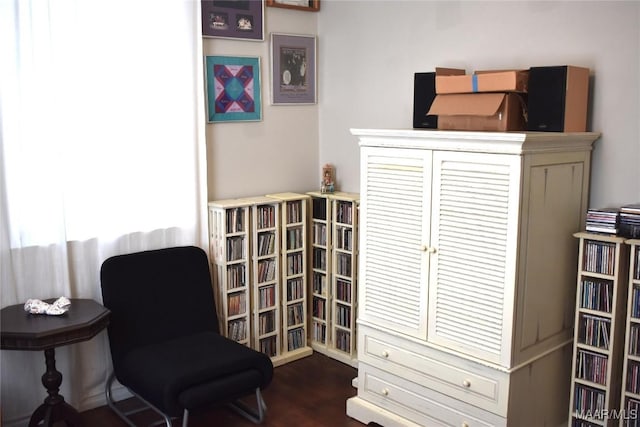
[49,414]
[54,408]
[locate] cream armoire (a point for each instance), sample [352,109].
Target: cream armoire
[467,276]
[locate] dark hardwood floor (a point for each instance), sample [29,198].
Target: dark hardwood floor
[310,392]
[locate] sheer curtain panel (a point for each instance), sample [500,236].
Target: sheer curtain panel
[102,152]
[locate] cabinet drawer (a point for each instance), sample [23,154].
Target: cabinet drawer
[469,382]
[420,405]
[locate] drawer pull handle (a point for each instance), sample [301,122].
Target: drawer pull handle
[465,424]
[430,249]
[385,392]
[466,383]
[385,353]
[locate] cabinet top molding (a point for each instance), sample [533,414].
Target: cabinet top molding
[485,142]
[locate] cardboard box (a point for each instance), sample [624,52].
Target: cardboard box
[483,81]
[424,92]
[480,111]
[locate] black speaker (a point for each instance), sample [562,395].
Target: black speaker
[557,99]
[424,92]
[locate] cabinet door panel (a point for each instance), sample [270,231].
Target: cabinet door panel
[473,230]
[394,219]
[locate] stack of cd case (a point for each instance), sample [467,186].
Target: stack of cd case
[630,221]
[603,220]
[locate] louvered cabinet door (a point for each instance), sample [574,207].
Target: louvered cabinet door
[394,226]
[475,202]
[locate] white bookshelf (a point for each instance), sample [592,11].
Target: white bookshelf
[229,224]
[265,277]
[319,271]
[601,299]
[630,399]
[333,274]
[293,256]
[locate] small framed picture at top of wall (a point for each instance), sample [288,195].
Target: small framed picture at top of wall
[233,19]
[308,5]
[293,69]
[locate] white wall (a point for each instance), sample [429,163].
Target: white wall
[279,153]
[367,54]
[369,51]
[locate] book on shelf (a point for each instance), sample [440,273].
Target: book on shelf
[295,339]
[319,208]
[599,257]
[594,331]
[592,366]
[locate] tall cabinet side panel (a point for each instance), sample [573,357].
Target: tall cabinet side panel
[553,205]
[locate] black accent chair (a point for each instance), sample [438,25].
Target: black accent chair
[165,342]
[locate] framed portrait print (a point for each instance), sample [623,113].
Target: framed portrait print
[233,19]
[233,89]
[293,69]
[308,5]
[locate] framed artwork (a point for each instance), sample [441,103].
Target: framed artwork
[233,19]
[293,69]
[308,5]
[233,89]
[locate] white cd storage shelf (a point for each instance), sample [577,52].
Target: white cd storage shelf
[293,247]
[344,236]
[265,276]
[630,401]
[319,271]
[333,274]
[229,249]
[258,273]
[601,300]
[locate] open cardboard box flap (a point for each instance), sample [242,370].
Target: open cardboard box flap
[480,111]
[443,71]
[465,104]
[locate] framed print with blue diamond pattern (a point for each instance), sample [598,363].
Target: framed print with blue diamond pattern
[233,89]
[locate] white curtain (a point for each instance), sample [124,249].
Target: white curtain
[101,152]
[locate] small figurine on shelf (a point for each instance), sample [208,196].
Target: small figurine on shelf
[328,179]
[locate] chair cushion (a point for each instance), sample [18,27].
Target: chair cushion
[192,371]
[155,296]
[222,390]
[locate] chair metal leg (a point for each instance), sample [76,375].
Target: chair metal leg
[125,415]
[112,403]
[185,418]
[255,416]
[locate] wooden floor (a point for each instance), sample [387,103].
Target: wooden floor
[310,392]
